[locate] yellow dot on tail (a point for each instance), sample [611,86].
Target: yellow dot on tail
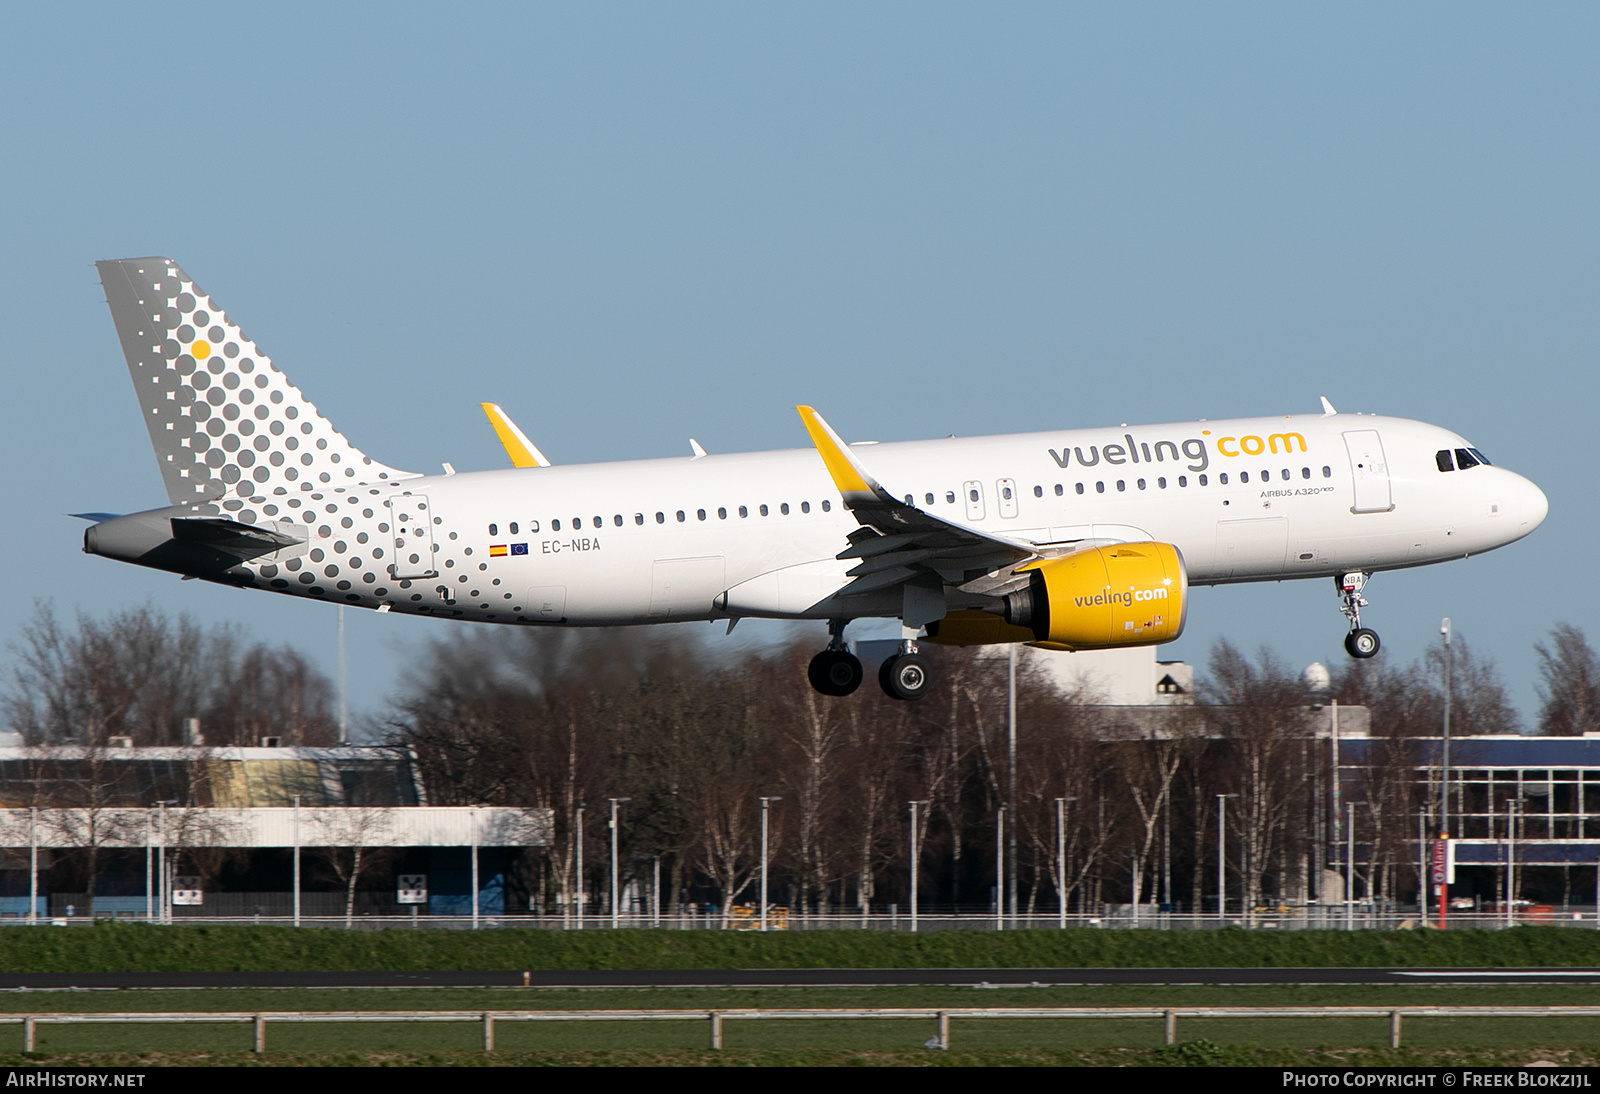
[201,349]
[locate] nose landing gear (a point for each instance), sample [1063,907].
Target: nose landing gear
[835,671]
[1361,642]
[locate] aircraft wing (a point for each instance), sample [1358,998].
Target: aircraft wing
[899,544]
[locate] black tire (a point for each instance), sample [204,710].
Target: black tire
[1362,643]
[904,676]
[835,672]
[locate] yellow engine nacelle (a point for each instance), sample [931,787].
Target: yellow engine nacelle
[1129,594]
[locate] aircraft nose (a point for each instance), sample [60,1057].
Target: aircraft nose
[1531,506]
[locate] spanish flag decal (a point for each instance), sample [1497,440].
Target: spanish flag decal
[497,550]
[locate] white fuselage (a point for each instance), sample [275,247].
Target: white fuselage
[756,534]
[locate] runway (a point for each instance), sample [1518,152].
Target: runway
[776,978]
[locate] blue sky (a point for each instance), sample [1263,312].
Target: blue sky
[633,224]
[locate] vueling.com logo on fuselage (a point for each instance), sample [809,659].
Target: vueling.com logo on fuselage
[1123,599]
[1195,450]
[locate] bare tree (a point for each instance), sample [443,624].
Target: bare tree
[1569,684]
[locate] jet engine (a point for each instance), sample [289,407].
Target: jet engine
[1126,594]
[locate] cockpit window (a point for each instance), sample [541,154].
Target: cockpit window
[1481,457]
[1464,459]
[1442,458]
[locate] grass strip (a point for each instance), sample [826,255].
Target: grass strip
[135,947]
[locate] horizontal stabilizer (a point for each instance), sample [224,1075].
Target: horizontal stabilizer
[95,518]
[244,540]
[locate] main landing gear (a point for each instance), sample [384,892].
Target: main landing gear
[1361,642]
[836,671]
[904,675]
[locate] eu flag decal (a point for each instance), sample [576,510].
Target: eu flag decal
[519,548]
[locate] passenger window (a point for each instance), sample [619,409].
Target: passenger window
[1121,485]
[1305,472]
[722,514]
[1162,483]
[1327,472]
[577,522]
[1183,480]
[513,527]
[681,517]
[805,507]
[950,497]
[1202,480]
[1244,476]
[1286,475]
[1099,488]
[784,508]
[827,506]
[1080,487]
[1038,491]
[1222,478]
[927,499]
[1059,490]
[533,526]
[908,502]
[1464,459]
[617,520]
[701,513]
[744,510]
[763,510]
[494,529]
[555,526]
[638,518]
[972,495]
[1141,484]
[1005,492]
[661,518]
[600,522]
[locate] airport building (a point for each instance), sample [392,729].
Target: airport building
[217,831]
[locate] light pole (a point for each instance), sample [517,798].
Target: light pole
[614,828]
[766,805]
[1222,856]
[581,808]
[161,860]
[1061,860]
[297,860]
[1000,868]
[1444,773]
[1011,775]
[1350,869]
[914,858]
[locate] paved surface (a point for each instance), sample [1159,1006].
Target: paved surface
[674,978]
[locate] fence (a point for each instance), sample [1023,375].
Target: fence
[939,1019]
[1298,919]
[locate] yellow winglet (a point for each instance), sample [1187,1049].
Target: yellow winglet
[848,475]
[515,442]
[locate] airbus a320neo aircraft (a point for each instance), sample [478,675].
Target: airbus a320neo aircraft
[1076,540]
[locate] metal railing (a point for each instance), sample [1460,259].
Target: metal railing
[940,1018]
[1318,917]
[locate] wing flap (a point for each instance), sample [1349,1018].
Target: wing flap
[899,543]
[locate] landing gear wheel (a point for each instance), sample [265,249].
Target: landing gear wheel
[1361,643]
[835,672]
[904,676]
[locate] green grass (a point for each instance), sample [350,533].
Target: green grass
[112,947]
[1352,1042]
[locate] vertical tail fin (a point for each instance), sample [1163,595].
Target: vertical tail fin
[223,420]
